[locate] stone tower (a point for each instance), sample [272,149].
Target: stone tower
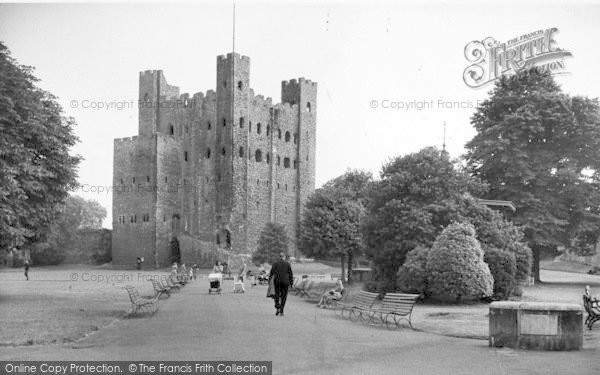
[211,170]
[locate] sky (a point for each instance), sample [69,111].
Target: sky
[389,74]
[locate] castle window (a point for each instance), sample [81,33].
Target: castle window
[285,187]
[258,156]
[278,185]
[146,97]
[206,178]
[295,164]
[165,179]
[185,155]
[223,152]
[241,152]
[286,162]
[224,83]
[285,209]
[218,239]
[186,102]
[249,126]
[278,160]
[224,122]
[257,181]
[121,181]
[133,180]
[258,128]
[268,158]
[294,188]
[208,125]
[171,129]
[240,85]
[164,218]
[306,157]
[295,138]
[287,136]
[267,182]
[147,178]
[268,130]
[279,133]
[241,122]
[308,109]
[135,218]
[187,129]
[208,153]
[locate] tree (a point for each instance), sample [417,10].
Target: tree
[74,214]
[330,225]
[455,266]
[36,170]
[272,241]
[540,149]
[417,196]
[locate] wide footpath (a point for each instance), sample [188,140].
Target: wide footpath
[192,325]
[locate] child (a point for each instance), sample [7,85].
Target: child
[238,286]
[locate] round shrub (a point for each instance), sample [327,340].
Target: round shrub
[503,267]
[412,276]
[455,265]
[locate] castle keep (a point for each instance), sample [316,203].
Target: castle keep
[212,169]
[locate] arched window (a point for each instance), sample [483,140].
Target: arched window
[286,162]
[224,122]
[223,152]
[258,156]
[279,133]
[278,160]
[308,108]
[268,130]
[208,152]
[209,125]
[295,138]
[241,122]
[268,158]
[171,129]
[258,128]
[185,156]
[249,126]
[241,152]
[240,85]
[218,239]
[295,164]
[287,136]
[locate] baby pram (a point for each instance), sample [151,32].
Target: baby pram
[215,280]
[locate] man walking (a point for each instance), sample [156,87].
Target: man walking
[281,273]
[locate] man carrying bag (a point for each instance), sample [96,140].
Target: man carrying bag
[280,279]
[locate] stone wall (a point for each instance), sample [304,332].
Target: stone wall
[89,246]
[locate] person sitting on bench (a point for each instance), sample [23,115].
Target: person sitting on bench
[332,295]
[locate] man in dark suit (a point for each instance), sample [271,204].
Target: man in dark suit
[281,273]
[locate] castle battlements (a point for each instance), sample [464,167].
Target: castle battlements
[126,139]
[236,55]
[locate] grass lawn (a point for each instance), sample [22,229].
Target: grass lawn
[62,304]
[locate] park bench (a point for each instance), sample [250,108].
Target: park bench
[362,301]
[394,308]
[160,289]
[591,307]
[336,276]
[174,280]
[140,303]
[168,282]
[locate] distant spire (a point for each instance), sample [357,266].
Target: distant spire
[444,142]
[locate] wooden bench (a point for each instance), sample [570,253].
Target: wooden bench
[140,303]
[592,309]
[394,308]
[160,289]
[362,301]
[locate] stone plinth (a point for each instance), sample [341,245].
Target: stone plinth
[536,325]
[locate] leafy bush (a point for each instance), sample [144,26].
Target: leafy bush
[503,267]
[412,276]
[455,265]
[272,241]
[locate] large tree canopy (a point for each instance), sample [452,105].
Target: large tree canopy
[36,170]
[332,216]
[417,196]
[540,148]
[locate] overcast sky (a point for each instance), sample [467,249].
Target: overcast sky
[362,55]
